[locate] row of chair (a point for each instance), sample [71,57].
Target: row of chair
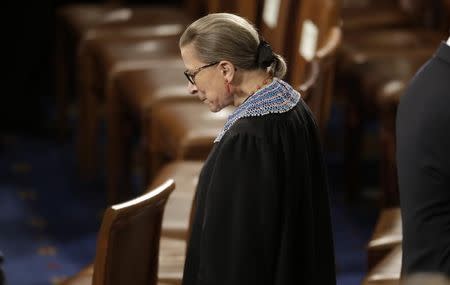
[376,60]
[126,60]
[378,67]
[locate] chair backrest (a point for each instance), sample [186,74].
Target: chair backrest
[313,75]
[276,24]
[317,90]
[316,20]
[128,241]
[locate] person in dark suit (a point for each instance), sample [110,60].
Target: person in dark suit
[423,162]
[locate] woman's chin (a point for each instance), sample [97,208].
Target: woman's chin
[214,108]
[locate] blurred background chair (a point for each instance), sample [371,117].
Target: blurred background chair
[367,46]
[374,67]
[386,235]
[177,217]
[78,23]
[387,271]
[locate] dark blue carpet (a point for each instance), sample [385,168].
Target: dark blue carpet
[49,218]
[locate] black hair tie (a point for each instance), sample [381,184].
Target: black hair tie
[265,56]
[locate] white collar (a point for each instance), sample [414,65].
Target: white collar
[448,41]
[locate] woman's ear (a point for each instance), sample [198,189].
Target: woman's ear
[227,69]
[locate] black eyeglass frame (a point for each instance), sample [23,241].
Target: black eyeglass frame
[191,75]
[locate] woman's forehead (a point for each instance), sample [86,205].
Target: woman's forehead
[189,55]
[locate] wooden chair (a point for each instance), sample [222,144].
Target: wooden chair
[177,216]
[79,23]
[361,43]
[147,39]
[276,25]
[383,82]
[317,90]
[388,271]
[317,27]
[182,131]
[129,247]
[361,49]
[387,235]
[317,39]
[388,87]
[100,62]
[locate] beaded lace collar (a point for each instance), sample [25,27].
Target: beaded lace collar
[277,97]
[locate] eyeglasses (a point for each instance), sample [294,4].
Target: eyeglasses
[190,75]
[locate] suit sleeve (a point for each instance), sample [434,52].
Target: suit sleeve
[240,227]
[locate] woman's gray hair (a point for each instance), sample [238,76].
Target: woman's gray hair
[224,36]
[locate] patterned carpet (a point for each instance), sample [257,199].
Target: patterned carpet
[49,218]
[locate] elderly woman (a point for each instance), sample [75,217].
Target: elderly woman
[262,212]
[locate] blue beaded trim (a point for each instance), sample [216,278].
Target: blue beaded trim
[277,97]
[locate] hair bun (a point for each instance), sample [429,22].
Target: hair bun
[265,56]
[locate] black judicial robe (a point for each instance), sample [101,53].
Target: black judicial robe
[423,164]
[262,206]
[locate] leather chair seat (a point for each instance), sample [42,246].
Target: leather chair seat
[170,268]
[388,271]
[386,235]
[176,217]
[186,130]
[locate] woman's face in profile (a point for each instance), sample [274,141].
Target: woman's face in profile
[208,82]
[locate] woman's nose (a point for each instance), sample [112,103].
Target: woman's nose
[192,88]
